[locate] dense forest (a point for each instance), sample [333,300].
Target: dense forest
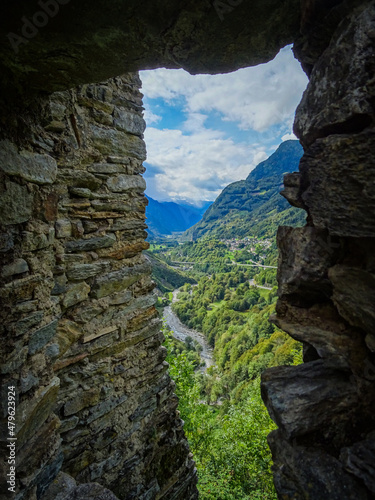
[230,301]
[228,440]
[224,268]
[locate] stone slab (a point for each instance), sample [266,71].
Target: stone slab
[42,336]
[117,281]
[305,398]
[75,294]
[109,141]
[85,245]
[81,401]
[338,173]
[33,413]
[16,204]
[84,271]
[122,183]
[33,167]
[128,121]
[19,266]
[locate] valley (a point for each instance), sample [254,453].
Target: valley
[219,340]
[182,332]
[217,292]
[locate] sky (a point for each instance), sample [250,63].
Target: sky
[205,131]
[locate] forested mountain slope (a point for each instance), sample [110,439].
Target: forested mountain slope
[254,206]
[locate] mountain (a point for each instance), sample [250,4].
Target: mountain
[254,207]
[166,277]
[164,218]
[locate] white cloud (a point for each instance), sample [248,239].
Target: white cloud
[256,98]
[289,137]
[197,167]
[194,122]
[151,117]
[196,162]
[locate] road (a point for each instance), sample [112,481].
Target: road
[227,263]
[252,283]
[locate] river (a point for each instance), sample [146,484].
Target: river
[181,331]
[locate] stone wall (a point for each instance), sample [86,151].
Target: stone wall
[92,40]
[80,336]
[325,408]
[80,333]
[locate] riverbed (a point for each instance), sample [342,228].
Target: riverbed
[181,331]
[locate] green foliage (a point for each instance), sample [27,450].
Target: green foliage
[166,278]
[237,463]
[190,349]
[196,415]
[234,317]
[225,420]
[266,277]
[229,442]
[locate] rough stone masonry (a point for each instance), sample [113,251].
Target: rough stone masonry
[80,333]
[80,337]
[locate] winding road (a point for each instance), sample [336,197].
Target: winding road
[181,331]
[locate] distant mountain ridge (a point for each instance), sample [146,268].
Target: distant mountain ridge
[167,217]
[254,206]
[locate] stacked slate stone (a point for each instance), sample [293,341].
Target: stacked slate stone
[80,333]
[325,408]
[78,328]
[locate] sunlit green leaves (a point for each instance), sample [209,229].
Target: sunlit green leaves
[228,441]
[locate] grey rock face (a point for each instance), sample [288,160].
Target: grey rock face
[360,461]
[63,228]
[129,122]
[90,244]
[82,341]
[321,326]
[15,204]
[19,266]
[354,295]
[298,470]
[107,168]
[61,487]
[84,271]
[315,397]
[305,256]
[24,325]
[41,169]
[118,280]
[75,294]
[338,173]
[338,98]
[122,183]
[90,491]
[324,408]
[197,37]
[41,337]
[109,141]
[292,189]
